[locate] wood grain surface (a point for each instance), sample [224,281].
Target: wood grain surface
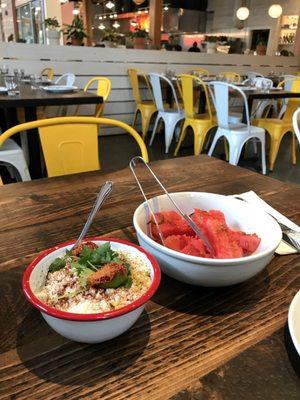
[185,332]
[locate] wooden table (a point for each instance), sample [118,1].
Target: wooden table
[29,99]
[190,343]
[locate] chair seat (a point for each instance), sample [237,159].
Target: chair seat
[273,123]
[205,116]
[243,129]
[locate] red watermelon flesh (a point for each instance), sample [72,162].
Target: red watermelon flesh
[225,242]
[248,242]
[176,242]
[218,234]
[187,244]
[196,247]
[170,223]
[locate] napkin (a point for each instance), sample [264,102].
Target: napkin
[251,197]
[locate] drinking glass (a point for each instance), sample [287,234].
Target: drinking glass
[34,81]
[4,70]
[11,85]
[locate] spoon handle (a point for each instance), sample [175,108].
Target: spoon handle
[103,194]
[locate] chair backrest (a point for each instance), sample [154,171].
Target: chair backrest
[188,82]
[157,89]
[221,92]
[232,76]
[103,90]
[261,82]
[70,144]
[66,79]
[296,123]
[253,75]
[201,71]
[49,72]
[134,75]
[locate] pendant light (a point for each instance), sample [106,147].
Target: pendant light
[275,11]
[242,13]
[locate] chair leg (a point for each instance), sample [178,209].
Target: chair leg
[21,166]
[263,155]
[234,154]
[181,139]
[158,118]
[145,126]
[169,133]
[214,142]
[294,159]
[274,147]
[198,143]
[226,148]
[134,118]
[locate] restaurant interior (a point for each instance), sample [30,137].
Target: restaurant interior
[149,192]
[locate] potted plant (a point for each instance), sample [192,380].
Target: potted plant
[76,32]
[139,38]
[109,37]
[53,30]
[211,44]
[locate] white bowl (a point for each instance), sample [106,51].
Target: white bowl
[294,321]
[88,328]
[207,271]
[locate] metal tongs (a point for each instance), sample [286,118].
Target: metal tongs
[188,219]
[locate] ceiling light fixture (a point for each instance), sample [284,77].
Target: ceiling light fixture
[101,27]
[76,11]
[111,16]
[138,2]
[110,4]
[166,8]
[275,11]
[242,13]
[116,25]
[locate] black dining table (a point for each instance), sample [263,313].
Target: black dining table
[29,99]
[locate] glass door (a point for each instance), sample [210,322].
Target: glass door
[30,22]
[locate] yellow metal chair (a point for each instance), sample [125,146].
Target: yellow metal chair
[232,76]
[103,90]
[49,72]
[145,107]
[70,144]
[277,128]
[200,123]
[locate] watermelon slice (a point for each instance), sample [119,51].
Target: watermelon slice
[248,242]
[187,244]
[218,234]
[170,223]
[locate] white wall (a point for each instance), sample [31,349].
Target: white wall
[87,62]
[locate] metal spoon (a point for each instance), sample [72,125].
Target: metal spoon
[103,194]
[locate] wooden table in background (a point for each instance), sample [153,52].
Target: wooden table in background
[267,95]
[30,99]
[190,343]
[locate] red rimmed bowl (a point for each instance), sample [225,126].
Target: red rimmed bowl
[88,328]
